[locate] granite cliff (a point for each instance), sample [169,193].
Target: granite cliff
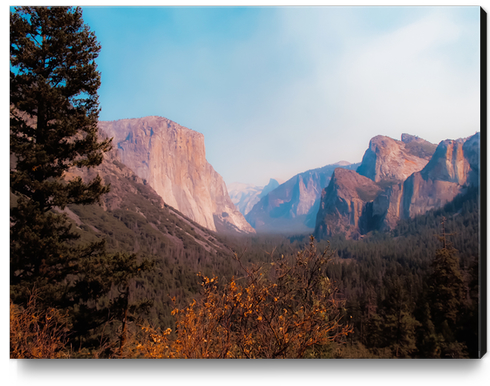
[388,160]
[445,176]
[343,204]
[171,159]
[410,177]
[133,217]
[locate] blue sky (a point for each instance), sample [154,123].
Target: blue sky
[280,90]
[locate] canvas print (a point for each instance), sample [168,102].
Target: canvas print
[247,182]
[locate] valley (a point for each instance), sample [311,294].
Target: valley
[285,211]
[381,219]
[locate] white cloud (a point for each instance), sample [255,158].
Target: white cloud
[307,87]
[364,83]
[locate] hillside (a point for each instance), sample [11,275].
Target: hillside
[133,217]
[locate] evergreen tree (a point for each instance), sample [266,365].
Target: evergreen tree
[446,285]
[53,128]
[398,324]
[446,299]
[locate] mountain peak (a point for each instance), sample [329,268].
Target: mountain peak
[396,181]
[342,163]
[172,159]
[293,205]
[273,183]
[407,138]
[389,160]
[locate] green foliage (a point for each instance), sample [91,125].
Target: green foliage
[386,281]
[445,286]
[285,309]
[446,305]
[54,105]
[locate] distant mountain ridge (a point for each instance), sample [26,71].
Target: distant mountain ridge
[171,159]
[245,196]
[293,205]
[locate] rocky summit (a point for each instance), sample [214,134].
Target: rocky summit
[172,160]
[343,203]
[389,160]
[397,180]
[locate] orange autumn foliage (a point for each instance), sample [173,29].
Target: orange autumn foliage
[284,310]
[37,334]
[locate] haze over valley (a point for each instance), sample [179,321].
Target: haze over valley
[396,179]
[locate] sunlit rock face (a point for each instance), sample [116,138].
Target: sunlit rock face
[390,160]
[453,166]
[172,160]
[412,176]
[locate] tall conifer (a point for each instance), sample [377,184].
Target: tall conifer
[54,110]
[446,298]
[53,127]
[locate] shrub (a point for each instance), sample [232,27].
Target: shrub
[287,309]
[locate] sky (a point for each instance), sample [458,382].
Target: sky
[280,90]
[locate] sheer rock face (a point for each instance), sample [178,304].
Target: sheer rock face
[343,204]
[453,166]
[132,195]
[390,160]
[292,207]
[171,159]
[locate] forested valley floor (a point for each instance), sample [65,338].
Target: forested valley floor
[410,293]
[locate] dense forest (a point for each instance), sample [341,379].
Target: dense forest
[388,286]
[391,283]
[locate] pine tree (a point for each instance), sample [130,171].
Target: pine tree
[446,298]
[446,285]
[53,128]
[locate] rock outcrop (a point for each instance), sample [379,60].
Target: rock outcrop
[443,173]
[445,176]
[133,217]
[245,196]
[171,159]
[392,161]
[292,207]
[343,204]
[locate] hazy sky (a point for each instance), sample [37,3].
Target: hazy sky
[277,91]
